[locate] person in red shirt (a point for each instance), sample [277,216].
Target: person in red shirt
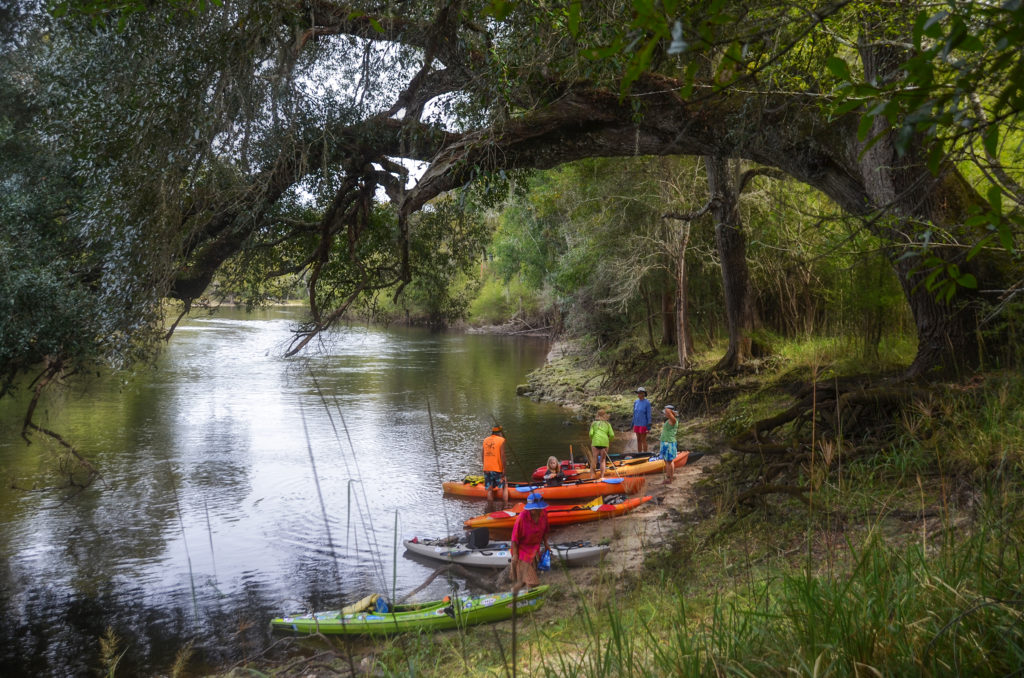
[528,533]
[494,465]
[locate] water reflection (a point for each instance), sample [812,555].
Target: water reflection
[215,462]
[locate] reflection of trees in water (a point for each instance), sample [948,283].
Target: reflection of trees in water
[50,633]
[46,632]
[115,556]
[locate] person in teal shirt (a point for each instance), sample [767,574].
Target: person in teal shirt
[601,435]
[669,448]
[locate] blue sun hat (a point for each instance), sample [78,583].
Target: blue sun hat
[535,501]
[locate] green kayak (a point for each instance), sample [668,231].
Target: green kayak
[435,615]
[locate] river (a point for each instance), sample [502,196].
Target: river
[239,484]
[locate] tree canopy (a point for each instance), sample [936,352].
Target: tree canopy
[183,140]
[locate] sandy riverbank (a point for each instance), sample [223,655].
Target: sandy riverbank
[570,379]
[637,534]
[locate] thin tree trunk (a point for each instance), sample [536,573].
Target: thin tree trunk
[650,323]
[684,345]
[668,322]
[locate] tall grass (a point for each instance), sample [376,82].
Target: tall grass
[955,609]
[909,563]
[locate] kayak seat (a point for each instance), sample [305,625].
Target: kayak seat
[366,604]
[479,538]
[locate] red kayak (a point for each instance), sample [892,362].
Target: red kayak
[558,515]
[568,468]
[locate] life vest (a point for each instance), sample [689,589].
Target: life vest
[492,454]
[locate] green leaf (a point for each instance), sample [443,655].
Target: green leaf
[574,18]
[919,23]
[499,9]
[991,140]
[605,52]
[936,154]
[933,26]
[978,247]
[691,76]
[846,107]
[1006,238]
[968,281]
[864,128]
[971,43]
[838,67]
[639,63]
[995,199]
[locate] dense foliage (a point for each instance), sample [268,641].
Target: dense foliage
[253,143]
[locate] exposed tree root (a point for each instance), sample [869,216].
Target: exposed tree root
[791,453]
[833,413]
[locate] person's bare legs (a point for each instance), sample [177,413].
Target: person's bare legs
[641,443]
[517,581]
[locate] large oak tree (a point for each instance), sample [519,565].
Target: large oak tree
[266,129]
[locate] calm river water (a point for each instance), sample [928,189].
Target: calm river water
[210,519]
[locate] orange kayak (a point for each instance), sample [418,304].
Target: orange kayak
[637,467]
[573,489]
[558,515]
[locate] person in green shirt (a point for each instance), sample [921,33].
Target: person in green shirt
[669,449]
[601,435]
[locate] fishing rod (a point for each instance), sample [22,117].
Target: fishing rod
[375,558]
[440,479]
[184,541]
[320,496]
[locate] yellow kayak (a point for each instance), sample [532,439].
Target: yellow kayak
[636,467]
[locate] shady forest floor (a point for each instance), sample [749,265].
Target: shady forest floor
[842,522]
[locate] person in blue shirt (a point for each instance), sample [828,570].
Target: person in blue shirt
[641,419]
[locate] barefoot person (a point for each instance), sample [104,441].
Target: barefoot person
[494,465]
[641,419]
[669,449]
[528,533]
[601,435]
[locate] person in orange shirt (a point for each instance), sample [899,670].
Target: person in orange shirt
[494,464]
